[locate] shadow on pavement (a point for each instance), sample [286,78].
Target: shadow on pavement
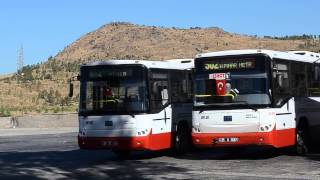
[314,154]
[254,153]
[249,153]
[103,164]
[80,164]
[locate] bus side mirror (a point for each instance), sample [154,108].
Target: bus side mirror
[316,72]
[164,96]
[280,80]
[70,88]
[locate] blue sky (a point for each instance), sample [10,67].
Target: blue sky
[45,27]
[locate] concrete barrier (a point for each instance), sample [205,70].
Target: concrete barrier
[41,121]
[6,122]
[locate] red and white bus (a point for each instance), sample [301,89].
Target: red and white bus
[130,105]
[256,97]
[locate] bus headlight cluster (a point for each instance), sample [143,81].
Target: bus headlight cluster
[196,129]
[142,132]
[81,133]
[265,127]
[196,126]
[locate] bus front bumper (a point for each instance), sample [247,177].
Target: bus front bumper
[148,142]
[275,138]
[121,143]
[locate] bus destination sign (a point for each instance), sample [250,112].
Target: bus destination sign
[110,74]
[230,64]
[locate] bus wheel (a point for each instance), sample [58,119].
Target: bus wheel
[182,139]
[121,153]
[302,139]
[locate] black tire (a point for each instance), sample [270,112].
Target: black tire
[182,140]
[302,139]
[301,146]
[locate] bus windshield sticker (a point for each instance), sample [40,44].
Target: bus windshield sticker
[219,76]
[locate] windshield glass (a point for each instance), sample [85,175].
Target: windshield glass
[113,90]
[232,81]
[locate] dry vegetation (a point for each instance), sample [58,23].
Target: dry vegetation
[43,87]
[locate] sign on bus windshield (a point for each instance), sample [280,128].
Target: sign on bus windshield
[110,73]
[229,64]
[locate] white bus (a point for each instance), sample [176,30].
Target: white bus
[256,97]
[130,105]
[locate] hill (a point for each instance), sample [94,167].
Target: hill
[42,88]
[124,40]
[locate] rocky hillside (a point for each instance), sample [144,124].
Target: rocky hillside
[124,40]
[42,88]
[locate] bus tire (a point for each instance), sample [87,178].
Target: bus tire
[182,139]
[302,139]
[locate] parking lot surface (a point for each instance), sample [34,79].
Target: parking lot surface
[56,156]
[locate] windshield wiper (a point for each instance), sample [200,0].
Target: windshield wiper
[213,104]
[249,105]
[227,104]
[132,115]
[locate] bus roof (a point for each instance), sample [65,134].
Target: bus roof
[290,55]
[165,64]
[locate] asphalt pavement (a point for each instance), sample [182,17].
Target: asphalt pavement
[56,156]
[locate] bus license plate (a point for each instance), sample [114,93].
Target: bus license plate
[222,140]
[109,143]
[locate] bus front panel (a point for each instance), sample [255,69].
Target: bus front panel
[233,103]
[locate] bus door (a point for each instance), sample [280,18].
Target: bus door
[161,113]
[284,101]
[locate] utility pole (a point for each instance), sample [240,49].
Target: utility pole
[20,59]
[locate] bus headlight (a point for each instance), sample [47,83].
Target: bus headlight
[196,129]
[265,127]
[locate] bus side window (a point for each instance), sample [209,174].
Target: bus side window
[159,96]
[314,80]
[298,80]
[281,83]
[180,86]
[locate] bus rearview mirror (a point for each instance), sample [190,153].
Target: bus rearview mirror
[316,73]
[164,96]
[280,80]
[70,89]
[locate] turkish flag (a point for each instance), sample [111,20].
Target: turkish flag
[220,87]
[108,92]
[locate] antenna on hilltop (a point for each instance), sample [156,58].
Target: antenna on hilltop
[20,58]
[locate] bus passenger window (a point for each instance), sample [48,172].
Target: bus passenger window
[281,84]
[159,94]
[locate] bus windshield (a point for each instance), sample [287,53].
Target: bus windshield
[113,90]
[232,81]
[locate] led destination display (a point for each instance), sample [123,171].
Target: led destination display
[229,64]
